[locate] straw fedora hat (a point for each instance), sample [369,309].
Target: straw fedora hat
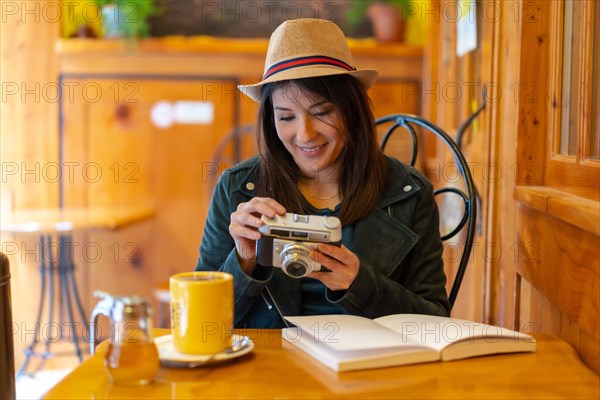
[304,48]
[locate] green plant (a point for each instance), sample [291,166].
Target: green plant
[358,8]
[129,18]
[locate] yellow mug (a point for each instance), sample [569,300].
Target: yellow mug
[201,311]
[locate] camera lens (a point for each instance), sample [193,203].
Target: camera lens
[296,269]
[295,261]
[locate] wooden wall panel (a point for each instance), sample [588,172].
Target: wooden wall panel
[503,128]
[29,122]
[542,315]
[561,262]
[75,144]
[532,139]
[560,259]
[120,141]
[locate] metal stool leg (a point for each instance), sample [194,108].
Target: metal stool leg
[45,268]
[64,272]
[66,268]
[73,283]
[51,296]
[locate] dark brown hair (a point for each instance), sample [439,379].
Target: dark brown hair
[364,171]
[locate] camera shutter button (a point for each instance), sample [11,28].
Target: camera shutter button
[331,222]
[266,218]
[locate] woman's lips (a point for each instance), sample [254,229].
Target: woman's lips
[311,150]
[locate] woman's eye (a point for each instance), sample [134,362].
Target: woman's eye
[285,118]
[321,113]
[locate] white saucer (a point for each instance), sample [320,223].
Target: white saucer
[169,356]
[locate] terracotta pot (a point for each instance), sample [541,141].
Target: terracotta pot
[388,25]
[84,31]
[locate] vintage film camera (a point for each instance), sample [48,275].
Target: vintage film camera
[287,240]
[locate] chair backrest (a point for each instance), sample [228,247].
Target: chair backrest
[7,354]
[408,123]
[237,145]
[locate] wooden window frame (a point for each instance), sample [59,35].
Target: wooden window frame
[578,174]
[565,187]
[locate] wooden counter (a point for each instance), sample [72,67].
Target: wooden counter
[61,220]
[211,56]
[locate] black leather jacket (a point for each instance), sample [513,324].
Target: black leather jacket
[398,244]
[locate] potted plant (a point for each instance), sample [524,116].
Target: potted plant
[126,18]
[387,17]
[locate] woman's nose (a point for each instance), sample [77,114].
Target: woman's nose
[305,131]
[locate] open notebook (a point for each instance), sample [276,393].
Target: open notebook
[348,342]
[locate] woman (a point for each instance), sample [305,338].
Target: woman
[319,155]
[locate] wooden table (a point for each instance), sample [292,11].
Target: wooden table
[277,370]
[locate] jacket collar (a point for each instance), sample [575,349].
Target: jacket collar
[248,182]
[401,186]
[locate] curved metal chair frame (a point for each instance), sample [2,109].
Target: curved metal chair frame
[233,138]
[469,217]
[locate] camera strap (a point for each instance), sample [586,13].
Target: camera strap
[274,304]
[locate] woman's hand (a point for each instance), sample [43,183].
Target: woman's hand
[244,225]
[342,262]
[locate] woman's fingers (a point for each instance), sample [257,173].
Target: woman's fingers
[342,263]
[241,231]
[245,225]
[261,206]
[246,219]
[334,254]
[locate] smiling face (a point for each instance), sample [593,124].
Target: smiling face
[310,128]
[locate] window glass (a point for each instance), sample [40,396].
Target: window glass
[570,77]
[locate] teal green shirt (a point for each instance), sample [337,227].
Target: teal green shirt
[313,291]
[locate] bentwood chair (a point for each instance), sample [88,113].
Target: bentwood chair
[405,123]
